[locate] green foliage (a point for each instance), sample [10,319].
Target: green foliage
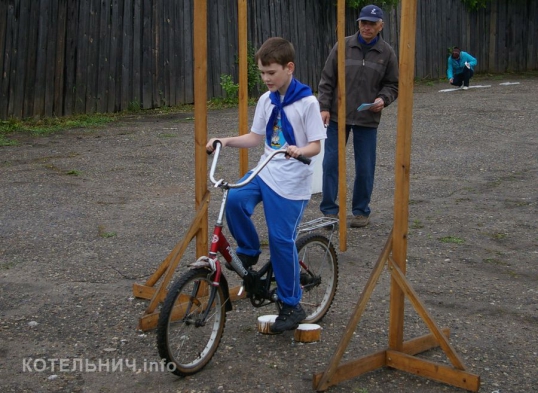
[134,106]
[474,5]
[230,88]
[452,239]
[385,4]
[73,172]
[253,73]
[253,77]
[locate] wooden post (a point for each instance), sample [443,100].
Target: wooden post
[243,81]
[200,117]
[402,165]
[342,179]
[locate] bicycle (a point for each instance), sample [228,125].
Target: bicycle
[193,314]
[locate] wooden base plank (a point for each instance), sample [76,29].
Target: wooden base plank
[141,291]
[436,371]
[357,367]
[350,369]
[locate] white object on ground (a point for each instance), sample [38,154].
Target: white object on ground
[307,333]
[265,322]
[459,88]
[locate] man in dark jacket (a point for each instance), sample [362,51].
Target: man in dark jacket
[371,78]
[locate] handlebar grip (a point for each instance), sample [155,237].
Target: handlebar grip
[215,142]
[303,159]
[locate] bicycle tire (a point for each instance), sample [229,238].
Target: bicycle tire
[319,255]
[185,344]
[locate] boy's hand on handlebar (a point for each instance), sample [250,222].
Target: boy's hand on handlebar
[210,146]
[294,151]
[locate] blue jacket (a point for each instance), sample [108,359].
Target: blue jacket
[455,67]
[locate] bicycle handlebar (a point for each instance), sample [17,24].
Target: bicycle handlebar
[217,145]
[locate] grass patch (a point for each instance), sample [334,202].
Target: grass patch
[50,125]
[104,233]
[4,141]
[417,224]
[451,239]
[498,235]
[73,172]
[494,261]
[7,265]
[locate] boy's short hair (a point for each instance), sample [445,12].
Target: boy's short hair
[275,50]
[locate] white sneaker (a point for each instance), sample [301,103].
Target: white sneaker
[465,87]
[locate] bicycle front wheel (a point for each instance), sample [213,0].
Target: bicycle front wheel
[191,323]
[319,275]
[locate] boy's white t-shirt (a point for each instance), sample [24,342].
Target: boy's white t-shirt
[289,178]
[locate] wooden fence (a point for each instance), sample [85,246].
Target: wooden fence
[62,57]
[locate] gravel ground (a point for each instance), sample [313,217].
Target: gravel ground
[87,213]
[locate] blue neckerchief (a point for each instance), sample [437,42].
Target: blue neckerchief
[296,91]
[372,43]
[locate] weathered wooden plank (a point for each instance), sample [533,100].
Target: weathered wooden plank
[136,60]
[156,53]
[50,60]
[103,64]
[71,36]
[167,37]
[176,48]
[31,31]
[114,70]
[6,46]
[128,65]
[81,83]
[19,52]
[58,95]
[147,47]
[188,17]
[92,69]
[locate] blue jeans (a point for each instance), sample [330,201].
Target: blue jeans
[364,147]
[282,217]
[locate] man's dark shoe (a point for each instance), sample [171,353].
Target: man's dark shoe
[289,318]
[359,221]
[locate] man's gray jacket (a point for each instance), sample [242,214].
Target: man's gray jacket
[368,76]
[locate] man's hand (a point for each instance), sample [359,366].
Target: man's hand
[451,80]
[325,117]
[378,106]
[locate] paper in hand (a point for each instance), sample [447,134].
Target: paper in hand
[364,107]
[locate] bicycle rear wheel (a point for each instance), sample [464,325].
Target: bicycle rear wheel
[191,323]
[319,275]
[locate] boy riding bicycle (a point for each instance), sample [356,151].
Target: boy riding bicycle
[286,117]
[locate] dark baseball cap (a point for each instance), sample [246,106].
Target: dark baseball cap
[372,13]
